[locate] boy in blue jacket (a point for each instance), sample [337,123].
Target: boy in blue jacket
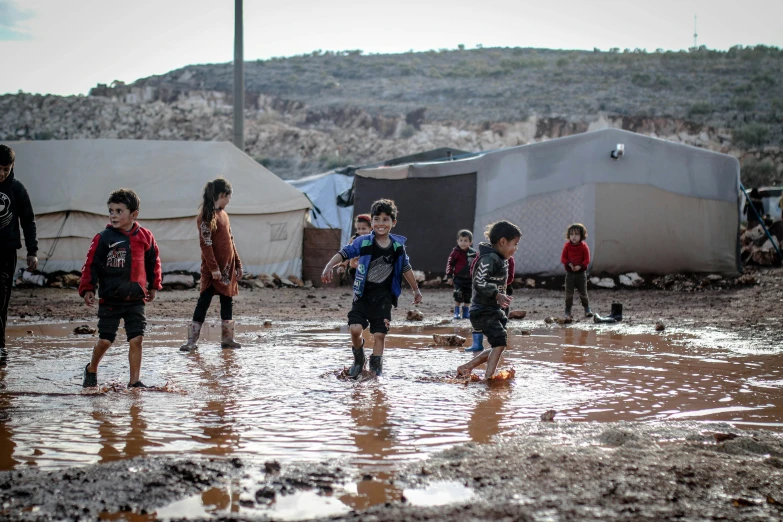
[378,284]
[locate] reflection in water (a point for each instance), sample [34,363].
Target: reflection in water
[216,417]
[374,437]
[109,437]
[7,443]
[487,414]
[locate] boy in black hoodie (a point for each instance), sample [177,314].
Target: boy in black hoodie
[490,276]
[15,207]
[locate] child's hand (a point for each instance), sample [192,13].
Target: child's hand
[570,266]
[417,296]
[340,269]
[216,275]
[449,281]
[503,300]
[326,275]
[239,272]
[151,293]
[89,298]
[577,268]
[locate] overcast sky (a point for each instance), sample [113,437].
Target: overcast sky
[68,46]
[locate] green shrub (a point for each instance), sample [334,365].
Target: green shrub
[561,62]
[408,132]
[700,108]
[641,79]
[753,135]
[744,104]
[755,173]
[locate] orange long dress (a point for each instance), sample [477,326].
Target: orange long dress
[218,252]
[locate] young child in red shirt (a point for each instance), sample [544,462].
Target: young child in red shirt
[575,259]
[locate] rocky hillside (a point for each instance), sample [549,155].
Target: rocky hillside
[307,114]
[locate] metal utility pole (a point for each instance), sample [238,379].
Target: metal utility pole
[239,79]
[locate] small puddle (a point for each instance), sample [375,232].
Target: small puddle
[278,397]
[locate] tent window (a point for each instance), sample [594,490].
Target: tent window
[279,232]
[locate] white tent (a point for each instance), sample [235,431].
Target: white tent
[69,182]
[661,208]
[323,189]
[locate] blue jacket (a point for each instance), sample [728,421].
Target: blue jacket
[361,247]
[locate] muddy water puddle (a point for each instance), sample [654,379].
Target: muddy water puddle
[278,396]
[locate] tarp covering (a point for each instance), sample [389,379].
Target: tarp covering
[70,181]
[643,211]
[323,189]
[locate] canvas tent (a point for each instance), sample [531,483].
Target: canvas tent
[322,190]
[70,181]
[661,208]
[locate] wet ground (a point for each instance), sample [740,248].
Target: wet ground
[644,420]
[280,398]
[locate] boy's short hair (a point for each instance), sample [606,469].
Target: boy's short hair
[7,155]
[126,196]
[579,228]
[364,218]
[465,233]
[502,229]
[384,206]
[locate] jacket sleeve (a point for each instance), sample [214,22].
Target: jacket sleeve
[585,256]
[27,219]
[450,263]
[564,255]
[352,249]
[406,261]
[205,242]
[152,266]
[481,284]
[91,271]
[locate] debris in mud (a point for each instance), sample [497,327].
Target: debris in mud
[267,323]
[549,320]
[563,320]
[84,330]
[659,326]
[504,375]
[272,466]
[415,315]
[721,437]
[517,314]
[448,340]
[548,415]
[342,375]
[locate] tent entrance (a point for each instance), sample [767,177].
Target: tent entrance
[431,212]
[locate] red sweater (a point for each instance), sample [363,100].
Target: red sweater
[578,254]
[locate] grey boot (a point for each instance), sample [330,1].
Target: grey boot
[194,330]
[376,364]
[227,335]
[358,361]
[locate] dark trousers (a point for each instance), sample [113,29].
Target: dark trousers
[7,270]
[205,299]
[576,280]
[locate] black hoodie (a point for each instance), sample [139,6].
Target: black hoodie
[15,206]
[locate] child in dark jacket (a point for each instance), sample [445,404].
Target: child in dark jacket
[490,276]
[123,263]
[458,272]
[575,259]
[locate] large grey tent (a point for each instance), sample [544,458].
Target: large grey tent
[660,208]
[70,181]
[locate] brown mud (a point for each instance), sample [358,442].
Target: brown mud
[560,470]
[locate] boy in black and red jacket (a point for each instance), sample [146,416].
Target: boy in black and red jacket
[458,270]
[124,264]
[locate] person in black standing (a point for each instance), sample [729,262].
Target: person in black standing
[15,207]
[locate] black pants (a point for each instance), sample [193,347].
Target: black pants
[7,270]
[205,299]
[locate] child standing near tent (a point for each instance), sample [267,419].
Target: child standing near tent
[458,272]
[383,263]
[124,264]
[363,226]
[490,276]
[575,259]
[220,264]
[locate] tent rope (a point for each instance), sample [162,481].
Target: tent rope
[761,221]
[318,210]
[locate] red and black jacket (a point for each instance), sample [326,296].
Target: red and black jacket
[459,263]
[576,255]
[123,265]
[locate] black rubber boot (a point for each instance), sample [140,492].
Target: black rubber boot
[90,379]
[376,364]
[3,357]
[358,361]
[617,312]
